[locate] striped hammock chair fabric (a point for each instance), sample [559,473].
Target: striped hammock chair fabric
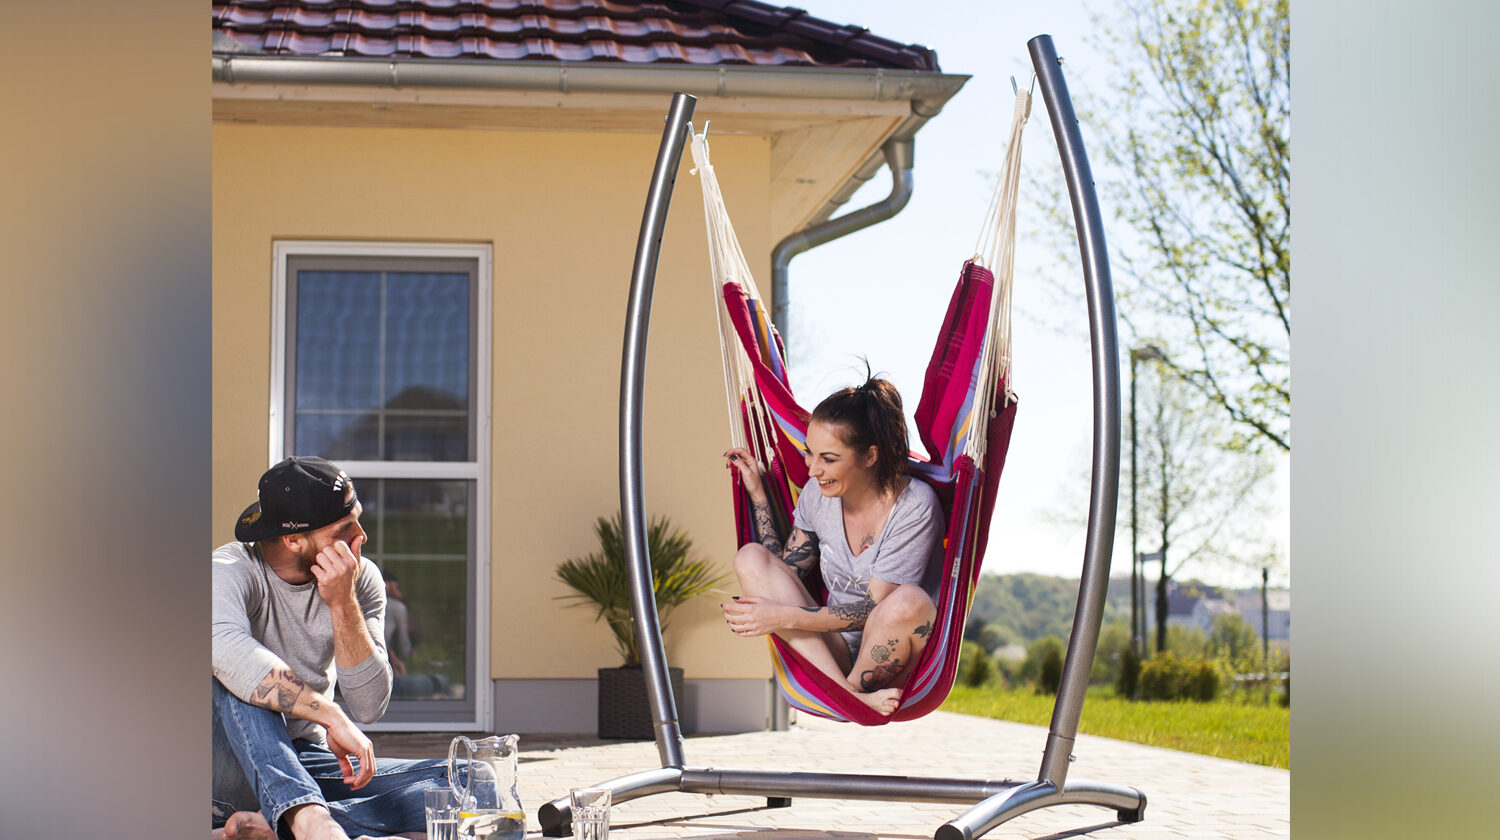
[964,418]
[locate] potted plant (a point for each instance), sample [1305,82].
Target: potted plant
[600,578]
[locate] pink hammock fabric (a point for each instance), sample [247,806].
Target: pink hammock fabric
[966,489]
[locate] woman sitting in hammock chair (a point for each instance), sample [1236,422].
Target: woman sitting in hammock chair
[875,533]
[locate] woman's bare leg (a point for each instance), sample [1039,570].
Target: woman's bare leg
[894,636]
[762,574]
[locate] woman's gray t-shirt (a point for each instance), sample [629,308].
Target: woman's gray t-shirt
[909,549]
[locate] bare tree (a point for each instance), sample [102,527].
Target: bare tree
[1203,499]
[1207,503]
[1193,132]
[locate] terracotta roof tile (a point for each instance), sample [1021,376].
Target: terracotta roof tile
[703,32]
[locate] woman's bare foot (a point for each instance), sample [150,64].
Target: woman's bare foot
[248,825]
[883,701]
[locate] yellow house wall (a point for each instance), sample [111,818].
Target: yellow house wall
[562,211]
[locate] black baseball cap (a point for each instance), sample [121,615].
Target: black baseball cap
[299,494]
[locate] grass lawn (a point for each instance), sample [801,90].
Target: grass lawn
[1224,728]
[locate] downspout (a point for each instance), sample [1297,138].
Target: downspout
[899,154]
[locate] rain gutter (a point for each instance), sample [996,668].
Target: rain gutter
[927,92]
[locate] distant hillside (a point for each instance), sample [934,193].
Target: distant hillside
[1021,608]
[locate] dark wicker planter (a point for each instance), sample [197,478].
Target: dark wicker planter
[624,709]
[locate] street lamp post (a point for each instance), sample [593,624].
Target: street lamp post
[1149,352]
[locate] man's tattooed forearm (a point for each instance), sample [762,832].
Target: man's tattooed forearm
[765,529]
[287,687]
[853,614]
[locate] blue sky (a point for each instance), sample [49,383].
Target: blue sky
[881,293]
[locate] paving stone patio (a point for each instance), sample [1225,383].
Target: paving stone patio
[1188,796]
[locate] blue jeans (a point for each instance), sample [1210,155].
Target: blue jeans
[259,767]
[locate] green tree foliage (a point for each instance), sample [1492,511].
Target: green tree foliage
[1196,141]
[1109,654]
[1233,640]
[1167,676]
[989,636]
[1036,654]
[975,667]
[1049,676]
[1187,641]
[1025,607]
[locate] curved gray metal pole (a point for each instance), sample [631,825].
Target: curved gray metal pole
[632,385]
[1104,488]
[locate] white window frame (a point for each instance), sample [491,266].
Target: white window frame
[477,471]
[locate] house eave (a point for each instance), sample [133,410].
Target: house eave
[863,108]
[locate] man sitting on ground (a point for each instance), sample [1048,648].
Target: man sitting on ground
[296,609]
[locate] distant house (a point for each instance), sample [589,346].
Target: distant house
[424,220]
[1195,605]
[1279,614]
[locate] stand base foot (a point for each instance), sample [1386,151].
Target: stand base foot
[1133,815]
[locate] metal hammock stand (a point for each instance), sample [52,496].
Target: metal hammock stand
[993,802]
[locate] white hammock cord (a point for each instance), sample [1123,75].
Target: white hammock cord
[727,264]
[996,249]
[990,229]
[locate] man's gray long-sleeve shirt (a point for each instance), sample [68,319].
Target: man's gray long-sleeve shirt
[261,622]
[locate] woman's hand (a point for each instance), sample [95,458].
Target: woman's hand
[753,616]
[750,471]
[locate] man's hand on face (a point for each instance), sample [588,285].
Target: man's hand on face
[336,569]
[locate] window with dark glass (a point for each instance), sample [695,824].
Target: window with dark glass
[380,377]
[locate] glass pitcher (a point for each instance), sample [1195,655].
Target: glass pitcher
[489,805]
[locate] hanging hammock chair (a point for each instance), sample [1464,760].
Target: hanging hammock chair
[964,418]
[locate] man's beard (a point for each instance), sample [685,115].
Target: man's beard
[306,561]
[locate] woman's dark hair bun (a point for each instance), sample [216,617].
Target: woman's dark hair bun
[866,415]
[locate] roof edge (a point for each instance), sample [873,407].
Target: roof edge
[927,91]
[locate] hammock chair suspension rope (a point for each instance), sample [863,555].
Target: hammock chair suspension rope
[972,373]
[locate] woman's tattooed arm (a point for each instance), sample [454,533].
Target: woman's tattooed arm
[765,529]
[855,614]
[849,616]
[801,550]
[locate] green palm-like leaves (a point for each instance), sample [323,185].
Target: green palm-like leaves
[599,578]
